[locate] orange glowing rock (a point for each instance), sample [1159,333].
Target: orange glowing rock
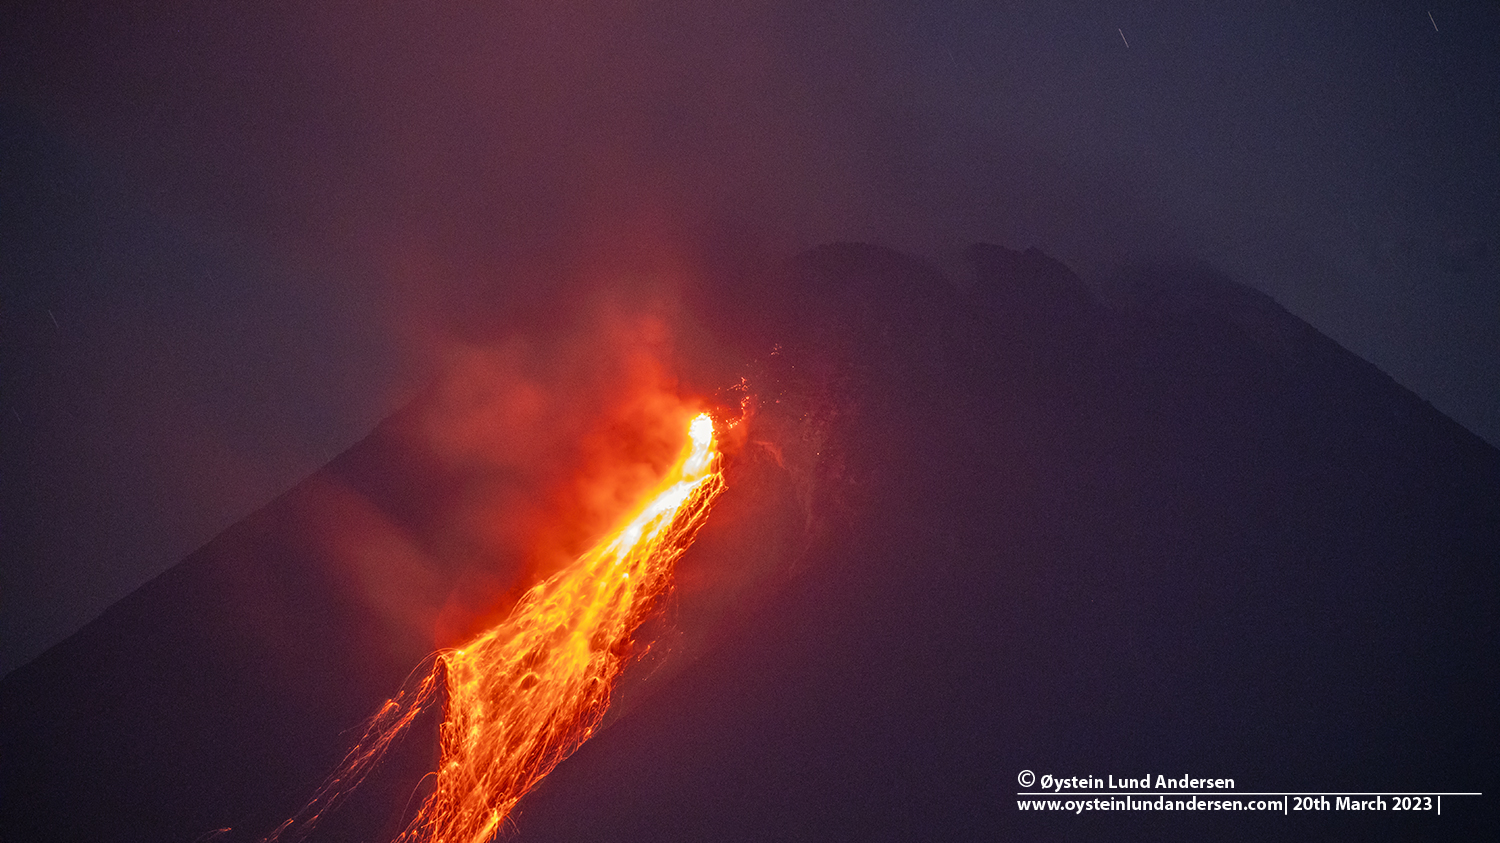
[526,693]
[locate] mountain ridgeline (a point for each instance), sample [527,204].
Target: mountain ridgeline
[1150,526]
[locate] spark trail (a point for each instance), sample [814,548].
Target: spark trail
[526,693]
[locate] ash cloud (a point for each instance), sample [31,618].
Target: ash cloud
[353,181]
[534,446]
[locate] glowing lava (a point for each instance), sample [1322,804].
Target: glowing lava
[525,694]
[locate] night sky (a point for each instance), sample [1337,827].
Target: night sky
[233,239]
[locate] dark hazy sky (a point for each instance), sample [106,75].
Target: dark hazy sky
[230,233]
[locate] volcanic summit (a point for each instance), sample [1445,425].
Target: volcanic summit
[973,526]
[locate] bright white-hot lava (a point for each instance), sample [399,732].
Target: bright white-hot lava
[523,695]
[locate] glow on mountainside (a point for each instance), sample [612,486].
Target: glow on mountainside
[526,693]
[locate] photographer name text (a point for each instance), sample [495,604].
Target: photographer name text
[1185,782]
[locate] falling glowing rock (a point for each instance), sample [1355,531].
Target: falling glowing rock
[526,693]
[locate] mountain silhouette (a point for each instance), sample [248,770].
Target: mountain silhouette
[1154,525]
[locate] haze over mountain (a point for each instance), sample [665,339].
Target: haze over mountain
[1149,523]
[233,238]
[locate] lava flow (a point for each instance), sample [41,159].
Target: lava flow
[523,695]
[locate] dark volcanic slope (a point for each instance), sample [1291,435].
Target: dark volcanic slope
[1182,533]
[221,693]
[1188,535]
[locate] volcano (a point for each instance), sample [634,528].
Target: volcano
[1150,526]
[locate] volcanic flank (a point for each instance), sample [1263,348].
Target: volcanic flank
[1019,523]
